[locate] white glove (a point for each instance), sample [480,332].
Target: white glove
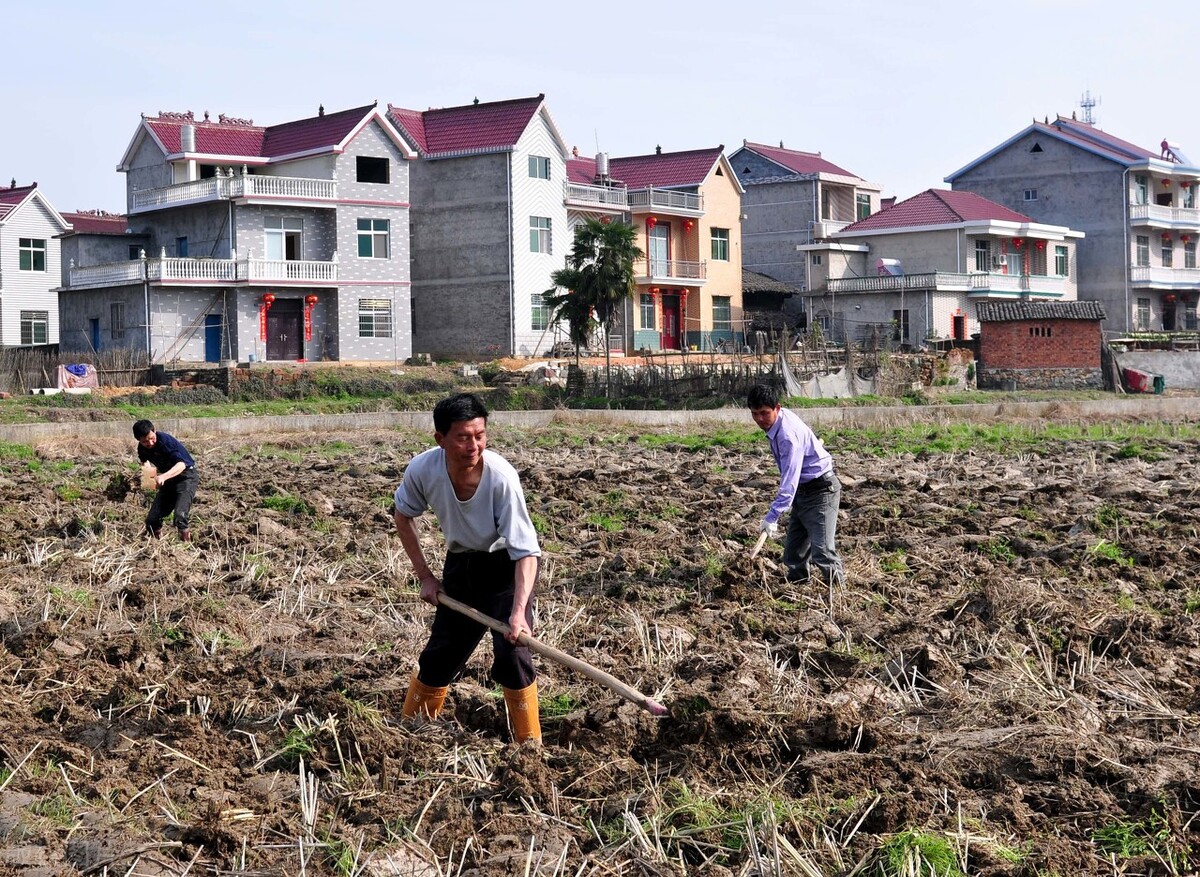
[771,529]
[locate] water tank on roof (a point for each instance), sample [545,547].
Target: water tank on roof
[602,164]
[187,138]
[889,268]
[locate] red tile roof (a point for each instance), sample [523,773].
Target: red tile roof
[97,222]
[937,207]
[581,170]
[242,139]
[665,169]
[1121,150]
[12,196]
[471,128]
[797,161]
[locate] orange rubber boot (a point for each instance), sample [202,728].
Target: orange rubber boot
[422,699]
[523,713]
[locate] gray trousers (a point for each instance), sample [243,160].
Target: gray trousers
[812,531]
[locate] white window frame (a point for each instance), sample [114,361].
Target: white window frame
[1142,245]
[31,248]
[375,318]
[983,255]
[1062,261]
[1031,194]
[861,200]
[1168,254]
[1189,254]
[722,304]
[814,258]
[116,319]
[1142,320]
[539,167]
[31,321]
[377,234]
[539,313]
[720,244]
[1141,189]
[539,234]
[275,233]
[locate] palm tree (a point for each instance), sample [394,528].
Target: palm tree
[597,280]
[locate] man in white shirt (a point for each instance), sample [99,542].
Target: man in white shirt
[491,561]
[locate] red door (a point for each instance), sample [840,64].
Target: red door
[670,322]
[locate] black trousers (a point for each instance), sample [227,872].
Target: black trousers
[484,581]
[174,497]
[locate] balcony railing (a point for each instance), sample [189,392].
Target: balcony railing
[1183,217]
[243,186]
[665,199]
[204,271]
[596,196]
[674,269]
[1145,275]
[952,281]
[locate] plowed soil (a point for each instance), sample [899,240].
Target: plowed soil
[1012,668]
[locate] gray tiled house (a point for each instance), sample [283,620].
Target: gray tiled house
[1138,207]
[280,243]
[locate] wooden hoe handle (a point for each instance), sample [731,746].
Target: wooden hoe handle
[762,538]
[594,673]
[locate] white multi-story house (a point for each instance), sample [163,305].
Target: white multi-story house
[281,243]
[489,225]
[30,255]
[916,270]
[1138,207]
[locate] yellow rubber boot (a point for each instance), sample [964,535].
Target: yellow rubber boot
[523,713]
[422,699]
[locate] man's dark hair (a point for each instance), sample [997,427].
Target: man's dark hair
[762,396]
[460,406]
[142,428]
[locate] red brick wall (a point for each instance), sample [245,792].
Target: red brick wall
[1040,344]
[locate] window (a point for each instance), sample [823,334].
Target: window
[539,234]
[862,205]
[283,235]
[539,320]
[1143,314]
[181,247]
[983,254]
[722,314]
[1036,148]
[135,252]
[1168,253]
[374,318]
[372,170]
[1031,195]
[539,167]
[1188,198]
[1189,254]
[1143,250]
[1061,261]
[32,254]
[116,319]
[647,305]
[900,326]
[373,239]
[720,244]
[814,258]
[1141,189]
[1189,316]
[35,327]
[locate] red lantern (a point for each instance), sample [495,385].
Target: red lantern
[687,224]
[1185,237]
[310,300]
[651,222]
[268,298]
[1166,183]
[1186,184]
[1018,243]
[1041,245]
[1166,237]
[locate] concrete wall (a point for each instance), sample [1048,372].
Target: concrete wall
[461,280]
[1075,189]
[1179,368]
[80,307]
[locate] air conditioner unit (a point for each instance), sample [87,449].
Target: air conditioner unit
[999,260]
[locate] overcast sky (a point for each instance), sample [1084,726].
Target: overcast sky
[901,93]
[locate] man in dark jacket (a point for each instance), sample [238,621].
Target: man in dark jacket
[176,480]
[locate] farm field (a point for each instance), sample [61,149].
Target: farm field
[1008,684]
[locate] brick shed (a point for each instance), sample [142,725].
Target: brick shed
[1040,345]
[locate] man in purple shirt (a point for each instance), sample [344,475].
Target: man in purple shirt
[807,486]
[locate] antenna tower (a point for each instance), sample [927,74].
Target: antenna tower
[1086,103]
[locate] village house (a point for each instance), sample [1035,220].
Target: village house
[242,242]
[1047,345]
[915,271]
[794,197]
[489,225]
[30,255]
[1138,207]
[686,208]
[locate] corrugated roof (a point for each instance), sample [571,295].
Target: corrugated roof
[937,207]
[472,128]
[1008,311]
[665,169]
[88,222]
[798,161]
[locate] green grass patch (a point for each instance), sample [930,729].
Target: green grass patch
[1111,552]
[999,549]
[291,505]
[559,706]
[1152,837]
[736,438]
[916,853]
[894,562]
[608,522]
